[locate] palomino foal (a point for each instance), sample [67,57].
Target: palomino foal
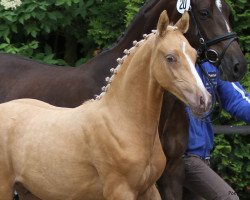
[107,148]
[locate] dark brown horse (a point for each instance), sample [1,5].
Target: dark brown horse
[209,33]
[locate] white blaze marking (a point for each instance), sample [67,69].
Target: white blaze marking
[219,6]
[228,27]
[192,67]
[195,73]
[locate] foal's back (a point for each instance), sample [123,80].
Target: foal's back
[36,133]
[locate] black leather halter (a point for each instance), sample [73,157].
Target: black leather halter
[210,54]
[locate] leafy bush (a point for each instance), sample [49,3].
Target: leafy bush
[61,29]
[132,7]
[231,156]
[231,159]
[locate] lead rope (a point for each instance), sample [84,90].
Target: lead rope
[203,45]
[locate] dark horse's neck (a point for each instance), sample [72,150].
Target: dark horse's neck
[143,23]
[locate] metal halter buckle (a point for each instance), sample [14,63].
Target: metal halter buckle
[212,55]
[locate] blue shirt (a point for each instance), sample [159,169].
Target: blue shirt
[234,100]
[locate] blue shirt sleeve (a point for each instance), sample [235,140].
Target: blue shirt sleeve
[234,99]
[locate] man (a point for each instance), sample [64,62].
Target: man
[199,177]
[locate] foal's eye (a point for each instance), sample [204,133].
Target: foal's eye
[170,59]
[204,13]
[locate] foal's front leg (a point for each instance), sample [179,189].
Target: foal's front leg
[6,192]
[6,182]
[151,194]
[116,188]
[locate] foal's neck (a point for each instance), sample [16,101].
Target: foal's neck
[134,93]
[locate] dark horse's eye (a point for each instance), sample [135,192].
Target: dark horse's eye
[204,13]
[170,59]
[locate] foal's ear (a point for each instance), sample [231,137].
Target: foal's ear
[163,22]
[183,23]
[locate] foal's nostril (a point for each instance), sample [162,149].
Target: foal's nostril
[202,102]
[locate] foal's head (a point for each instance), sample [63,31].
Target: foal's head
[173,63]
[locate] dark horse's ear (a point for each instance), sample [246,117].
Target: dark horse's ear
[183,23]
[163,22]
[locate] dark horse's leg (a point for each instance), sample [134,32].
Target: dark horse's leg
[16,197]
[24,194]
[27,196]
[173,129]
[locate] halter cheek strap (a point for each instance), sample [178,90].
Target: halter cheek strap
[221,38]
[204,45]
[220,57]
[204,49]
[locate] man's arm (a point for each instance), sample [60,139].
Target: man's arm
[234,99]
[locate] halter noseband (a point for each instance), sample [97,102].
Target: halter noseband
[210,54]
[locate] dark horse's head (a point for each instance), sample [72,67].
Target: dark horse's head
[215,40]
[210,33]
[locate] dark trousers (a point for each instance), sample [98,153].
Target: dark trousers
[201,182]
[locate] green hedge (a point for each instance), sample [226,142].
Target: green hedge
[231,156]
[58,30]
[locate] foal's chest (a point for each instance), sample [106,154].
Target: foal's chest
[142,168]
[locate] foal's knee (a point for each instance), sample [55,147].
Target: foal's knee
[118,191]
